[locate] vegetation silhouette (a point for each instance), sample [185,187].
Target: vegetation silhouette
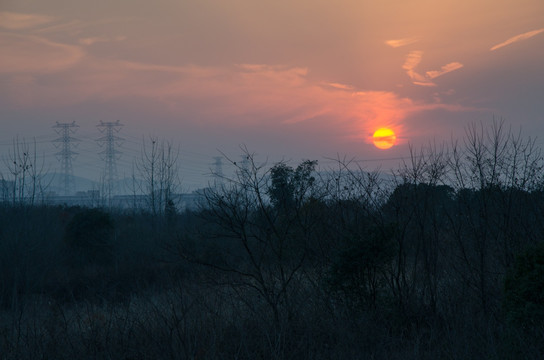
[441,259]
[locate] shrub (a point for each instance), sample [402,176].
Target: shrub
[359,270]
[523,305]
[90,232]
[524,289]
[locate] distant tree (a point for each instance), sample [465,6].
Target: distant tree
[282,189]
[159,173]
[288,186]
[25,171]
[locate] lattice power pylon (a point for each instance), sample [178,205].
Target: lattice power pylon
[218,171]
[110,154]
[66,154]
[244,164]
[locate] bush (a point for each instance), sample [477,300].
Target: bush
[523,305]
[359,270]
[524,289]
[90,232]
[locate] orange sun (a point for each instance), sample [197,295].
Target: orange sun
[384,138]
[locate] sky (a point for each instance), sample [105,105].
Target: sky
[290,80]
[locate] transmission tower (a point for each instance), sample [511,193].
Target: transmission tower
[65,155]
[244,164]
[218,172]
[110,154]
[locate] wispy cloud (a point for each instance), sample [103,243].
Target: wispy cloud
[261,95]
[340,86]
[444,70]
[73,26]
[412,61]
[517,38]
[93,40]
[424,83]
[193,71]
[32,54]
[19,21]
[402,42]
[246,94]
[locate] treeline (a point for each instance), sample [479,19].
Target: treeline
[444,258]
[26,180]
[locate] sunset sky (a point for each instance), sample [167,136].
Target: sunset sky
[298,79]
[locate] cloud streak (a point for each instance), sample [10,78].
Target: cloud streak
[244,95]
[402,42]
[412,61]
[93,40]
[224,76]
[32,54]
[19,21]
[444,70]
[247,94]
[517,38]
[340,86]
[241,95]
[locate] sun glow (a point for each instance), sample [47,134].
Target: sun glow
[384,138]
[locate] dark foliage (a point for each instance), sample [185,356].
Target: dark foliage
[360,271]
[524,290]
[90,233]
[290,263]
[288,186]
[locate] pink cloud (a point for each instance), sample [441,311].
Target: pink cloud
[444,70]
[246,94]
[19,21]
[35,54]
[255,95]
[412,61]
[517,38]
[340,86]
[96,39]
[402,42]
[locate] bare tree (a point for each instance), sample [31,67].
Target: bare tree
[159,173]
[25,172]
[258,228]
[493,172]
